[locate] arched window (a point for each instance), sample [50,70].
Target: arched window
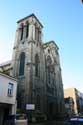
[22,27]
[38,102]
[27,29]
[22,63]
[48,73]
[48,62]
[36,65]
[37,33]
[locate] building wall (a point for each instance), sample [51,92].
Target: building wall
[79,96]
[69,106]
[6,68]
[7,97]
[71,92]
[4,98]
[54,97]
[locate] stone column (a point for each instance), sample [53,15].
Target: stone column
[31,31]
[19,34]
[41,37]
[13,110]
[16,43]
[24,32]
[17,37]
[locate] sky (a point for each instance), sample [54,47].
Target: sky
[63,23]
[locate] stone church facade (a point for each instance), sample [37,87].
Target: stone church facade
[36,66]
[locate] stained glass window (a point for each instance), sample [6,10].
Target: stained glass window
[22,62]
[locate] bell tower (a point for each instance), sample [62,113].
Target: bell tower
[27,61]
[29,29]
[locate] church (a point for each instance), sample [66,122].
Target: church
[36,66]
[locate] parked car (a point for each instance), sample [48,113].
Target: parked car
[18,119]
[76,120]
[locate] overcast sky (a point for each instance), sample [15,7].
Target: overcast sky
[63,23]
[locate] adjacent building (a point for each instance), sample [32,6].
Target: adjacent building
[36,66]
[77,98]
[69,106]
[8,87]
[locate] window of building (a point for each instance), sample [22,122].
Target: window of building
[48,50]
[22,27]
[37,34]
[50,90]
[48,63]
[36,65]
[48,71]
[27,29]
[10,89]
[53,81]
[22,64]
[38,102]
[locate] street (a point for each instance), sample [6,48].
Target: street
[51,123]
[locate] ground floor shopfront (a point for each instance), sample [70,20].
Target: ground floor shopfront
[8,90]
[5,110]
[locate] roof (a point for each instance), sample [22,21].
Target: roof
[5,63]
[31,15]
[7,76]
[67,99]
[49,42]
[71,88]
